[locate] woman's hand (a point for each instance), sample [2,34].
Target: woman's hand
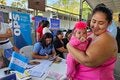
[47,57]
[68,46]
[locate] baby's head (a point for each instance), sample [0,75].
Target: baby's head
[80,30]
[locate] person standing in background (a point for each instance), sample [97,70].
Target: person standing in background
[5,43]
[113,29]
[39,31]
[46,27]
[118,38]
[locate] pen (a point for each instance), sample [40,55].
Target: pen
[57,55]
[46,54]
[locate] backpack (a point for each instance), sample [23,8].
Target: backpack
[118,39]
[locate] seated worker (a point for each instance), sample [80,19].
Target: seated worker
[67,37]
[44,49]
[59,44]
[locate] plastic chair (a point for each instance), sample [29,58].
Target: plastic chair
[26,51]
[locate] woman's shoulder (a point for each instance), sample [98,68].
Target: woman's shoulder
[45,28]
[104,40]
[38,43]
[107,37]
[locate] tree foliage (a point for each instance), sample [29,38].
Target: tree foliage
[19,4]
[67,5]
[86,10]
[3,2]
[72,6]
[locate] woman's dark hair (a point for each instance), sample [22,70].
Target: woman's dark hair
[58,33]
[41,23]
[67,33]
[43,40]
[46,24]
[104,9]
[101,4]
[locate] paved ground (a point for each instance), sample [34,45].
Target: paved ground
[117,68]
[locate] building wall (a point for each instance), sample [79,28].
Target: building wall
[67,24]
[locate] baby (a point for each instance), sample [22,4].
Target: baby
[80,41]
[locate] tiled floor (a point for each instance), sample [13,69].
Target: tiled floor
[117,68]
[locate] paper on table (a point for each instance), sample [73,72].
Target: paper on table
[40,69]
[54,75]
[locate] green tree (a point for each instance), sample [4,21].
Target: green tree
[3,2]
[86,10]
[72,6]
[19,4]
[67,5]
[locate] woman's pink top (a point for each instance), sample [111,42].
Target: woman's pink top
[102,72]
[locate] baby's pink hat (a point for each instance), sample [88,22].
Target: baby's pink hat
[80,25]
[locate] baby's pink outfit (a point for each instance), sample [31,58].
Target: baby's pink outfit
[71,62]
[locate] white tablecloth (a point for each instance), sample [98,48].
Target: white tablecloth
[59,68]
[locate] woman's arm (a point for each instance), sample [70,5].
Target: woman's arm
[36,49]
[53,53]
[97,53]
[37,36]
[36,56]
[7,34]
[62,49]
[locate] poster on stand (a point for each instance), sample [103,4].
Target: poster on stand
[54,25]
[21,29]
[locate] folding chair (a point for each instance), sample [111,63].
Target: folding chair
[26,51]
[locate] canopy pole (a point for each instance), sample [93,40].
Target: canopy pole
[81,8]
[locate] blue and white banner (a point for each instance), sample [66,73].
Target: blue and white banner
[21,29]
[1,17]
[38,19]
[54,23]
[18,62]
